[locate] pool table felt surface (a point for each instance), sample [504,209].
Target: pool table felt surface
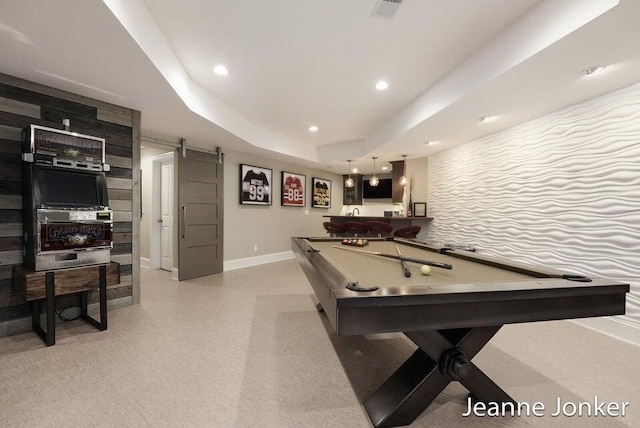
[467,276]
[384,272]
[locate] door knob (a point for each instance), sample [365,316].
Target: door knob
[160,221]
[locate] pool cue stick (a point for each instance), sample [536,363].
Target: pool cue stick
[405,268]
[391,256]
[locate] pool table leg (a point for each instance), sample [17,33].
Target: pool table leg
[454,349]
[442,356]
[407,392]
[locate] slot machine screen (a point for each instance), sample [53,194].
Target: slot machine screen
[66,188]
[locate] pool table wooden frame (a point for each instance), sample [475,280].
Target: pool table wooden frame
[450,323]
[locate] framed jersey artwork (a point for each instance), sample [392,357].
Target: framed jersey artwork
[255,185]
[293,189]
[321,189]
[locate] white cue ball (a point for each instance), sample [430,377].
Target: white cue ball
[426,270]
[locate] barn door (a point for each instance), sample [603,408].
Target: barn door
[200,185]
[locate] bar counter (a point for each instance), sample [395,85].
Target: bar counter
[394,221]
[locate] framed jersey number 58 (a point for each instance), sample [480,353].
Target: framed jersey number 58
[293,189]
[255,185]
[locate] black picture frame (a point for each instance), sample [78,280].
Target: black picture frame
[321,193]
[419,209]
[256,184]
[293,189]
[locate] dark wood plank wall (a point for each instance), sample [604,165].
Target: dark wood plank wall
[23,103]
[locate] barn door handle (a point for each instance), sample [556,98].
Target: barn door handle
[184,222]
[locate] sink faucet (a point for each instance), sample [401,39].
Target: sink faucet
[354,211]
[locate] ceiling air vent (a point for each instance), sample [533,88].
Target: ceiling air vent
[386,8]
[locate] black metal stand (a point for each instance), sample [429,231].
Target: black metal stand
[49,336]
[84,297]
[442,357]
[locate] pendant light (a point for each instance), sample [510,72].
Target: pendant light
[403,179]
[373,181]
[349,181]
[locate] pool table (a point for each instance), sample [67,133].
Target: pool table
[450,314]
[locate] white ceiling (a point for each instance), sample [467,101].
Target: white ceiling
[293,63]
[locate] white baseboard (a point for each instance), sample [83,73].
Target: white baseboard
[613,327]
[236,263]
[258,260]
[21,325]
[145,262]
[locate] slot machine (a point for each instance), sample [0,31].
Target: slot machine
[67,219]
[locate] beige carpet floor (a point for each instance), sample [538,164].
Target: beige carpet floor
[247,348]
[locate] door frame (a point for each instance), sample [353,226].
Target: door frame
[155,252]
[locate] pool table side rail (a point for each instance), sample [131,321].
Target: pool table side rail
[322,284]
[477,293]
[451,315]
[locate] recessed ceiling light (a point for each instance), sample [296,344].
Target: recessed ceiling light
[313,128]
[354,170]
[428,143]
[221,70]
[381,85]
[593,70]
[484,119]
[384,168]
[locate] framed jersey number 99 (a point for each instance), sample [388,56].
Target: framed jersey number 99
[255,185]
[293,189]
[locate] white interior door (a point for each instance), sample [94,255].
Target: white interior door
[166,212]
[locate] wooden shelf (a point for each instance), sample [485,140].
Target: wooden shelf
[31,285]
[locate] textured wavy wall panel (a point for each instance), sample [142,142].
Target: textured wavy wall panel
[562,190]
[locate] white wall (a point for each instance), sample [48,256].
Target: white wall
[270,227]
[562,190]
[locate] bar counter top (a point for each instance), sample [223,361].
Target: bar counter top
[382,218]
